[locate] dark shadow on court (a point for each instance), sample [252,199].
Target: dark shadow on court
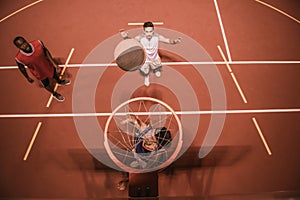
[93,171]
[219,156]
[99,179]
[200,171]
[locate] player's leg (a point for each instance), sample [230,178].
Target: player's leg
[60,81]
[145,70]
[48,87]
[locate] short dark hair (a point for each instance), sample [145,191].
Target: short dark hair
[148,24]
[18,38]
[163,136]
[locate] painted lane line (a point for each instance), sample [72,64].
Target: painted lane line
[21,9]
[280,11]
[238,87]
[262,136]
[224,58]
[179,63]
[60,76]
[199,112]
[233,76]
[222,30]
[32,140]
[142,23]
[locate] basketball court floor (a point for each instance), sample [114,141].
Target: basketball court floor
[233,80]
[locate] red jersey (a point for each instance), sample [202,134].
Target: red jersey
[36,61]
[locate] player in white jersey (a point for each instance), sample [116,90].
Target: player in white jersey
[149,40]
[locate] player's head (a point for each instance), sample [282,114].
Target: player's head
[148,29]
[163,136]
[22,44]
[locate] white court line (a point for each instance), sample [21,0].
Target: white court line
[222,30]
[199,112]
[224,58]
[262,136]
[142,23]
[32,140]
[181,63]
[60,76]
[280,11]
[25,7]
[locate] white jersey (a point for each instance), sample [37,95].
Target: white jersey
[150,47]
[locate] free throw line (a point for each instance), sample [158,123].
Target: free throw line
[258,62]
[32,141]
[199,112]
[61,74]
[262,136]
[232,75]
[17,11]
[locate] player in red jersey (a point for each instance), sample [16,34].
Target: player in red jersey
[39,61]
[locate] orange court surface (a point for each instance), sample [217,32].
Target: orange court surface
[244,66]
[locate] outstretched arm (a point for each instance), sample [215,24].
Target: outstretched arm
[24,72]
[168,40]
[125,35]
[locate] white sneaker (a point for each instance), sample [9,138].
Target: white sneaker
[147,81]
[157,74]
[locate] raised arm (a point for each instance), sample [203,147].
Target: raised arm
[125,35]
[168,40]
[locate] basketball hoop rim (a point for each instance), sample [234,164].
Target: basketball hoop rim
[132,170]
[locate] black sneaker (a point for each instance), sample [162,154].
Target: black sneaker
[58,97]
[64,82]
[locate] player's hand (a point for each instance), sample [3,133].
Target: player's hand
[30,80]
[124,34]
[58,70]
[177,40]
[129,119]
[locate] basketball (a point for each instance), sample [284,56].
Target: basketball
[129,55]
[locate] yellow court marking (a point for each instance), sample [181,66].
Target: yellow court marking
[60,76]
[32,140]
[238,87]
[17,11]
[142,23]
[232,75]
[262,136]
[280,11]
[224,58]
